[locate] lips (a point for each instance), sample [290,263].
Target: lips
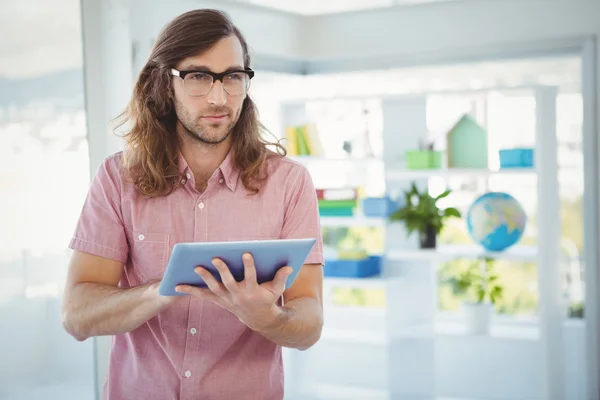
[214,118]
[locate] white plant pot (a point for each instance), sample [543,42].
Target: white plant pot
[477,317]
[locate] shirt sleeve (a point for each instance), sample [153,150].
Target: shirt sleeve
[302,218]
[100,230]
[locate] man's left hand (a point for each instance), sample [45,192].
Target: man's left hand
[254,304]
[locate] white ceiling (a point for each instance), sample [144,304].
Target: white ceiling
[316,7]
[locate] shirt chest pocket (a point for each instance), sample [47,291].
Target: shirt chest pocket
[148,254]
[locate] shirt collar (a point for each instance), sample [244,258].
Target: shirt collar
[229,171]
[227,168]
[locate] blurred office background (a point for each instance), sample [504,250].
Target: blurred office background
[374,77]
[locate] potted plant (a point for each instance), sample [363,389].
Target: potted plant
[420,213]
[480,285]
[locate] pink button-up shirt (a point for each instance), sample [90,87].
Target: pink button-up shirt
[194,349]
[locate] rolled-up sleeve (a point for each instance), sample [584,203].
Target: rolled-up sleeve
[301,218]
[100,230]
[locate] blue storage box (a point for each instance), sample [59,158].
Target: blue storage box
[369,266]
[378,206]
[516,158]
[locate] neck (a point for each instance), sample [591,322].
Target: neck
[202,158]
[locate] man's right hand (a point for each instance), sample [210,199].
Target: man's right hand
[163,301]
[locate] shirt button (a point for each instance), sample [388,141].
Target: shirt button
[221,180]
[188,374]
[141,237]
[188,175]
[201,205]
[183,181]
[193,331]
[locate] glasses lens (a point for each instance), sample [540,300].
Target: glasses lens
[236,83]
[197,84]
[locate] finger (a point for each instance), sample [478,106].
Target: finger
[249,270]
[226,277]
[213,285]
[280,279]
[201,293]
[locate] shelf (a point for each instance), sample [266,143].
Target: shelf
[448,330]
[361,221]
[354,336]
[407,174]
[457,329]
[452,252]
[376,282]
[323,391]
[321,159]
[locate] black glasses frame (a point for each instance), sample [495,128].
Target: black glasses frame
[215,76]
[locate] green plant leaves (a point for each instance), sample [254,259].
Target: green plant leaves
[452,212]
[480,284]
[420,211]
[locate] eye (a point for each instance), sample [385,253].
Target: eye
[234,77]
[199,76]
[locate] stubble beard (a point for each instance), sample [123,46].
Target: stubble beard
[197,133]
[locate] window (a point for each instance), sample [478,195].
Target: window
[44,175]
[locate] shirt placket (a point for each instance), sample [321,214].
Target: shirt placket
[192,359]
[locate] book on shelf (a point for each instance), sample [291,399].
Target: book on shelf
[303,140]
[337,194]
[340,202]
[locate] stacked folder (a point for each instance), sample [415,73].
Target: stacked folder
[337,202]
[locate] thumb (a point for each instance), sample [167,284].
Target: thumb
[281,277]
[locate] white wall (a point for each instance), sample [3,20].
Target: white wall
[411,35]
[395,36]
[274,37]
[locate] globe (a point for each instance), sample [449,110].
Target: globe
[496,221]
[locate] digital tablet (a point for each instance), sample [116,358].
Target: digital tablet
[269,256]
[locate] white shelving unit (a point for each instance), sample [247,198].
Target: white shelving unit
[404,351]
[370,282]
[353,221]
[399,174]
[452,329]
[306,160]
[452,252]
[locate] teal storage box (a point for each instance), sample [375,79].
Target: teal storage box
[364,268]
[516,158]
[336,212]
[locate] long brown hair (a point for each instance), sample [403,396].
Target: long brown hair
[152,145]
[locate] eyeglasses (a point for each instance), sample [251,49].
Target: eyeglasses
[199,83]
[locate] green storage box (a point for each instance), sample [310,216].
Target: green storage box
[423,159]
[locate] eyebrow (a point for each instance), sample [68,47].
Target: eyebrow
[203,68]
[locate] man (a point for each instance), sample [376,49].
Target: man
[194,168]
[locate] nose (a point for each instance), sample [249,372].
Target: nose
[217,95]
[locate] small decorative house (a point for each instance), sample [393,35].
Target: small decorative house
[467,144]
